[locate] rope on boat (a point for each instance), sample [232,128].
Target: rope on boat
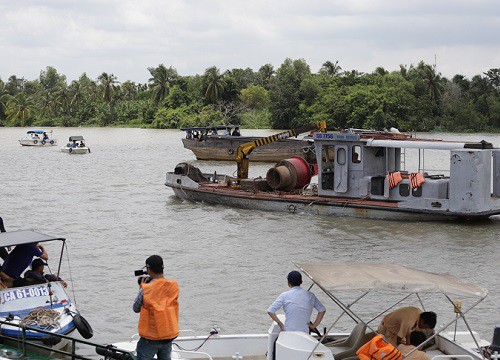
[42,318]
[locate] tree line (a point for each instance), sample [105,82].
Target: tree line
[411,98]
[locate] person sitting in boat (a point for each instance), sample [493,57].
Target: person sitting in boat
[82,144]
[416,338]
[236,132]
[214,131]
[397,325]
[19,259]
[45,136]
[298,305]
[189,134]
[36,275]
[226,132]
[74,144]
[196,136]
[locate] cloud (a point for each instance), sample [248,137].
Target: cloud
[125,37]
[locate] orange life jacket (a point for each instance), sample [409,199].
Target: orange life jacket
[416,180]
[378,349]
[394,179]
[159,318]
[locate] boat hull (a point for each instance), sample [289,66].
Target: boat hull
[75,151]
[224,148]
[35,142]
[186,189]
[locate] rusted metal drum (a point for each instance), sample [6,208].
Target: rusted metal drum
[289,174]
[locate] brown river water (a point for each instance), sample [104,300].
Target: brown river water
[114,209]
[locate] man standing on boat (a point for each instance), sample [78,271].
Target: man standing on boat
[157,302]
[298,305]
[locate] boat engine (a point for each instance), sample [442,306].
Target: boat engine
[289,174]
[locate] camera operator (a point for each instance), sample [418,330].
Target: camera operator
[159,309]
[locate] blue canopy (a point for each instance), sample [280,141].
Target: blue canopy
[37,131]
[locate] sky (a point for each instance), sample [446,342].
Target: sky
[125,37]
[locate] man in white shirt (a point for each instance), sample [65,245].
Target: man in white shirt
[298,305]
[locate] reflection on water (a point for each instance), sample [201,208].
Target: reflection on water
[114,210]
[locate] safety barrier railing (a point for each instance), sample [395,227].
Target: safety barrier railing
[23,342]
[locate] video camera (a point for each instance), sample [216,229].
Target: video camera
[140,273]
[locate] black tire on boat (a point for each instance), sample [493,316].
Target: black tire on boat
[89,150]
[51,340]
[43,142]
[51,142]
[70,150]
[35,142]
[83,326]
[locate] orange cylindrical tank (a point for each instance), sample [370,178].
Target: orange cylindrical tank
[289,174]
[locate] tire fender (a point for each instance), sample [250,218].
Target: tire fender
[70,150]
[43,142]
[83,326]
[35,142]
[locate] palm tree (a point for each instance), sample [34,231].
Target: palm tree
[405,71]
[330,68]
[432,80]
[77,93]
[380,71]
[215,83]
[161,80]
[266,72]
[63,99]
[46,102]
[20,107]
[108,82]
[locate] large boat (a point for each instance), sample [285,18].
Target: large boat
[347,284]
[216,143]
[38,138]
[34,312]
[361,174]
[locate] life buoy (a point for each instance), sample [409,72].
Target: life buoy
[35,142]
[83,326]
[70,150]
[43,142]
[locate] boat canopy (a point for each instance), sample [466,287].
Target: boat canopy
[427,144]
[20,237]
[36,131]
[76,138]
[218,127]
[386,277]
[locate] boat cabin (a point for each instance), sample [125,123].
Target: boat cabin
[360,164]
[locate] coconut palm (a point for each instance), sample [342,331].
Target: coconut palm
[45,102]
[266,73]
[63,98]
[162,79]
[432,80]
[20,107]
[108,83]
[215,83]
[405,70]
[330,68]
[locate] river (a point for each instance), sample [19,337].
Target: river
[115,211]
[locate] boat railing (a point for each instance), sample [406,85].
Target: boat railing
[439,357]
[25,343]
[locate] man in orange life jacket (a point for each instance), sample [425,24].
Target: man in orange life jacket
[159,308]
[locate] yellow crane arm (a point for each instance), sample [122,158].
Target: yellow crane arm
[245,149]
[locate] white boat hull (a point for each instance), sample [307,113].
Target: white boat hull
[77,150]
[36,142]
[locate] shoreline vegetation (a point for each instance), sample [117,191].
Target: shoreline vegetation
[411,98]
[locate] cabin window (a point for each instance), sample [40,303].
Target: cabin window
[356,154]
[417,192]
[404,190]
[341,156]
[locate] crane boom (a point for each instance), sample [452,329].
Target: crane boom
[245,149]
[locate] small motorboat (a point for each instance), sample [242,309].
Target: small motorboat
[76,145]
[346,284]
[36,311]
[38,138]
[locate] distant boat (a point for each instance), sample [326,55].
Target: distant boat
[218,145]
[38,138]
[76,145]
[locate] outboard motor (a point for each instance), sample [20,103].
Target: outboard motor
[289,174]
[495,344]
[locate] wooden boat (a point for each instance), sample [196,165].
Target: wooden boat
[217,146]
[361,174]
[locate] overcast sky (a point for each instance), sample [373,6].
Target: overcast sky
[126,37]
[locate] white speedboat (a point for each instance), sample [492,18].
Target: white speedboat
[38,138]
[34,312]
[364,280]
[76,145]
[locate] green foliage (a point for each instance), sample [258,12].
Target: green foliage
[409,98]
